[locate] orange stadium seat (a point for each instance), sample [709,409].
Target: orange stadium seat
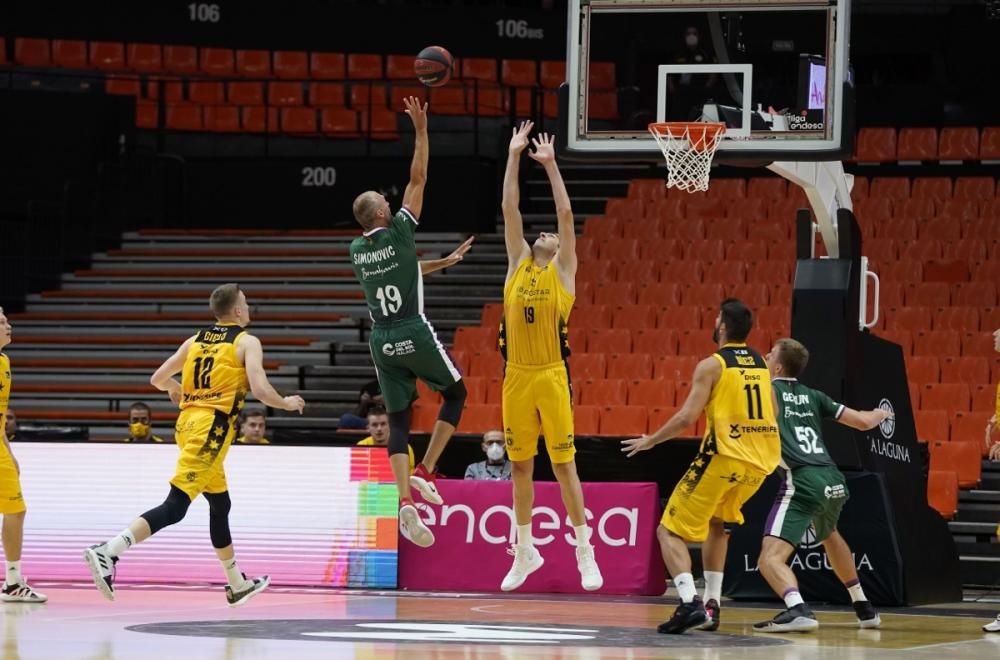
[428,397]
[588,366]
[253,63]
[615,293]
[242,93]
[961,319]
[974,294]
[552,73]
[681,272]
[892,187]
[494,390]
[932,425]
[989,318]
[912,209]
[488,364]
[623,420]
[298,120]
[284,93]
[975,188]
[674,368]
[399,92]
[680,317]
[965,249]
[607,392]
[491,315]
[709,251]
[474,339]
[962,458]
[939,229]
[339,122]
[207,93]
[703,295]
[184,117]
[107,55]
[659,294]
[479,68]
[597,271]
[489,101]
[978,343]
[638,272]
[631,366]
[754,295]
[767,188]
[937,188]
[958,143]
[217,61]
[611,341]
[910,318]
[984,397]
[364,66]
[989,143]
[69,53]
[968,369]
[144,58]
[328,66]
[448,100]
[591,316]
[291,64]
[929,294]
[651,393]
[937,342]
[399,67]
[695,342]
[747,250]
[876,145]
[122,85]
[32,52]
[902,337]
[586,420]
[424,418]
[923,369]
[519,73]
[180,59]
[147,115]
[729,274]
[480,418]
[657,416]
[968,427]
[634,317]
[917,144]
[476,388]
[660,341]
[942,492]
[950,397]
[620,249]
[950,271]
[379,124]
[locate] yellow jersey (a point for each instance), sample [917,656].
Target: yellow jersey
[536,306]
[4,389]
[740,421]
[370,442]
[213,377]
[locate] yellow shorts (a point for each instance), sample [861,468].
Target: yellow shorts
[713,487]
[538,400]
[11,499]
[203,437]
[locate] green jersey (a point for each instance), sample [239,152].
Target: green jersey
[801,411]
[385,262]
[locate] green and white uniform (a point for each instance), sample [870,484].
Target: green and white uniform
[814,490]
[403,343]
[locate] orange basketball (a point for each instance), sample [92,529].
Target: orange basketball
[433,66]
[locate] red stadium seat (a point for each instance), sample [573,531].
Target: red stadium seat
[623,420]
[602,105]
[659,294]
[965,249]
[586,420]
[492,314]
[708,208]
[487,363]
[923,369]
[917,144]
[989,144]
[937,342]
[144,58]
[607,392]
[746,251]
[962,210]
[326,94]
[899,271]
[368,95]
[962,319]
[448,100]
[217,61]
[932,425]
[934,230]
[587,366]
[876,145]
[172,90]
[399,67]
[679,317]
[634,317]
[729,274]
[614,293]
[602,75]
[942,492]
[962,458]
[974,294]
[892,187]
[597,271]
[651,393]
[703,295]
[242,93]
[859,188]
[710,251]
[479,68]
[675,368]
[69,53]
[32,52]
[146,115]
[662,248]
[180,59]
[902,337]
[984,397]
[207,93]
[976,188]
[474,339]
[772,188]
[476,388]
[424,417]
[258,119]
[552,73]
[253,63]
[969,369]
[681,272]
[631,367]
[686,230]
[479,419]
[339,122]
[428,397]
[122,85]
[638,272]
[968,428]
[946,271]
[488,101]
[364,66]
[494,390]
[602,227]
[910,318]
[949,397]
[184,117]
[978,343]
[291,64]
[695,342]
[519,73]
[912,209]
[729,189]
[611,341]
[658,341]
[930,247]
[937,188]
[660,415]
[298,120]
[958,143]
[730,230]
[328,66]
[591,316]
[586,248]
[107,55]
[874,210]
[221,118]
[284,93]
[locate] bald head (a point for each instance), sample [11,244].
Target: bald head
[371,210]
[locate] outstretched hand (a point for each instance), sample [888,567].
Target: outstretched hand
[459,252]
[545,151]
[519,137]
[633,446]
[417,112]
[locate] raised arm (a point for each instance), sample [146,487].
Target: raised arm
[253,361]
[413,197]
[513,225]
[163,378]
[863,420]
[545,154]
[428,266]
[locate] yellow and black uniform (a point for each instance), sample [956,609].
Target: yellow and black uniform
[213,388]
[740,448]
[11,499]
[537,395]
[370,442]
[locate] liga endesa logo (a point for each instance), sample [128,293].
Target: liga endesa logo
[614,527]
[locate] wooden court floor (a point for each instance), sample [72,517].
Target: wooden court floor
[194,623]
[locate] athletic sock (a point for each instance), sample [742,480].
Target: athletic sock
[14,572]
[524,535]
[582,535]
[685,587]
[792,598]
[233,573]
[713,586]
[854,588]
[119,544]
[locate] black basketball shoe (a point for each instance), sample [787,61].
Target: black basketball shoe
[714,611]
[686,616]
[867,616]
[795,619]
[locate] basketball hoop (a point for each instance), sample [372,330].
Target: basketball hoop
[688,148]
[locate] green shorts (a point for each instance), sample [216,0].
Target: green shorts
[407,350]
[809,496]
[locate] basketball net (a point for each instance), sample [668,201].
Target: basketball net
[688,148]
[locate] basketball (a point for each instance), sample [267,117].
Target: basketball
[433,66]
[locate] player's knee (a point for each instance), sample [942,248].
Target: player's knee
[219,504]
[454,400]
[170,512]
[399,431]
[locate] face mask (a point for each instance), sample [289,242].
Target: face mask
[494,451]
[139,430]
[691,40]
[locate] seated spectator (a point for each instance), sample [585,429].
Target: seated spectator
[10,425]
[140,424]
[370,395]
[378,426]
[253,425]
[496,467]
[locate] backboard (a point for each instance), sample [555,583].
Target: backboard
[776,72]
